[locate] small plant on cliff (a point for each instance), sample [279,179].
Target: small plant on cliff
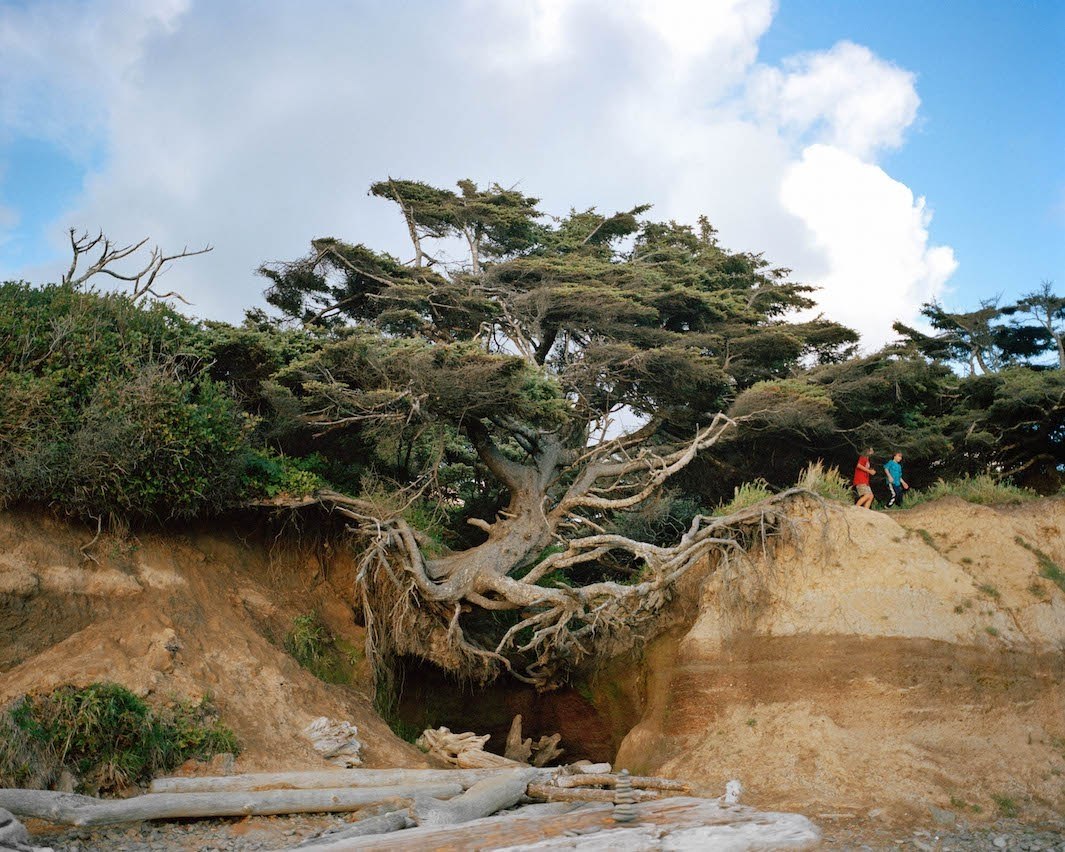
[1006,805]
[1048,568]
[828,482]
[314,648]
[106,737]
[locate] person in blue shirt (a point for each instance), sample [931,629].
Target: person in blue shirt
[896,484]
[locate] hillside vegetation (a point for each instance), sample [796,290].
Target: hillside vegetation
[527,448]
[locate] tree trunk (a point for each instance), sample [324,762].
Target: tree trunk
[73,809]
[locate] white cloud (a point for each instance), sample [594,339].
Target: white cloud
[259,127]
[874,236]
[846,96]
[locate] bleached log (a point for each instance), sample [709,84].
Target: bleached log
[589,768]
[679,823]
[517,749]
[383,824]
[73,809]
[639,782]
[551,793]
[325,779]
[482,799]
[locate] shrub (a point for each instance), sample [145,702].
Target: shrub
[984,490]
[106,408]
[106,736]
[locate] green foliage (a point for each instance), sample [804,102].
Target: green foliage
[268,473]
[107,736]
[106,408]
[315,648]
[983,490]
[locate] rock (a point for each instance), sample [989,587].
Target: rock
[941,816]
[1000,842]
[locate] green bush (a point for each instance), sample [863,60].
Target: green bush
[106,736]
[106,408]
[983,489]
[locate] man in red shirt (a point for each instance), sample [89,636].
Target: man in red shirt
[862,472]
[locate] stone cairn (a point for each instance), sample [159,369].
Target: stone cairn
[624,800]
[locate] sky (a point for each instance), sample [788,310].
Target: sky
[889,152]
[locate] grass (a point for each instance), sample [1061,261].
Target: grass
[991,631]
[1007,806]
[744,496]
[825,482]
[927,538]
[984,490]
[106,736]
[315,648]
[1048,568]
[989,590]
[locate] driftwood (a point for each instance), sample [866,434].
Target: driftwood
[73,809]
[465,750]
[540,753]
[517,748]
[639,782]
[679,823]
[551,793]
[326,779]
[383,824]
[482,799]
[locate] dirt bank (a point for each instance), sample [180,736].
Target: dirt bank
[185,616]
[881,661]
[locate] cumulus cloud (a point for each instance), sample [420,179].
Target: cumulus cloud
[846,97]
[874,235]
[257,127]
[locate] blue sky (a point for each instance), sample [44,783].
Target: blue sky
[807,130]
[988,147]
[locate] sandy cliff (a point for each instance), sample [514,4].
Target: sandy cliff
[883,660]
[183,616]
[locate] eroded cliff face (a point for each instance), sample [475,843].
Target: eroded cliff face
[184,616]
[881,660]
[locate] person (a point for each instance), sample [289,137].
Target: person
[896,484]
[862,472]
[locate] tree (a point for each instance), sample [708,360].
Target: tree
[526,361]
[1047,310]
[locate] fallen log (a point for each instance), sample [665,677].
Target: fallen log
[325,779]
[680,823]
[546,749]
[482,799]
[72,809]
[551,793]
[639,782]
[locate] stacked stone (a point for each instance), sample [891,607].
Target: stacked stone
[624,800]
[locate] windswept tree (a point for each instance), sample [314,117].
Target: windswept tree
[575,364]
